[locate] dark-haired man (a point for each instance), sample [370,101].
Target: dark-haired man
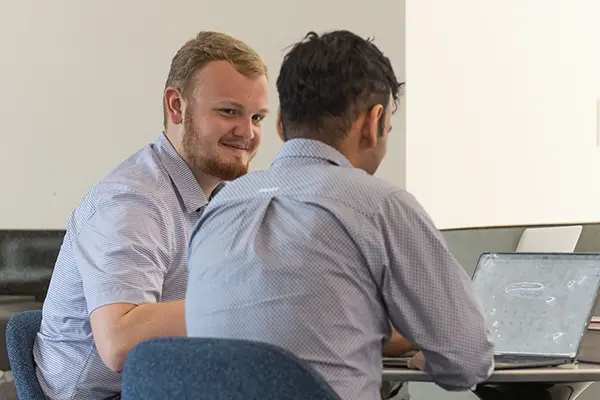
[318,256]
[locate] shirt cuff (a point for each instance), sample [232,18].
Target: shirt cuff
[114,296]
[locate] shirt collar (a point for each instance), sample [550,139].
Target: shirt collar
[181,175]
[309,148]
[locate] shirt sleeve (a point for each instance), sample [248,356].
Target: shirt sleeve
[430,297]
[121,253]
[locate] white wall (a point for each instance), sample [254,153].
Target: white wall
[501,110]
[81,84]
[501,107]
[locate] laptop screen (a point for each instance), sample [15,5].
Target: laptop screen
[537,303]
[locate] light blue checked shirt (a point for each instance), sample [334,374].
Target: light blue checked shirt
[125,243]
[317,257]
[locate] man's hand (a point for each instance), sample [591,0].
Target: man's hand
[417,361]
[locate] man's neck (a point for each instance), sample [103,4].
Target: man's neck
[208,183]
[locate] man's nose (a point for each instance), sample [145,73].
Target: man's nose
[245,128]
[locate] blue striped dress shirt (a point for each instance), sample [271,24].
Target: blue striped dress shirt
[126,242]
[318,257]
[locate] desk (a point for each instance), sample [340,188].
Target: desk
[565,382]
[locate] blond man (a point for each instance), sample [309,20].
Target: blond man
[121,274]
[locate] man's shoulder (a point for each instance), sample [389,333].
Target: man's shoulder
[142,172]
[140,179]
[373,183]
[350,186]
[367,193]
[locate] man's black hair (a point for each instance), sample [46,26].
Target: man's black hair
[326,82]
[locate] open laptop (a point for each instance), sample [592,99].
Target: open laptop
[537,306]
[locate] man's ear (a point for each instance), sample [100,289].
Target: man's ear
[174,104]
[370,126]
[280,125]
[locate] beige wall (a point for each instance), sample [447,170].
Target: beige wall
[82,83]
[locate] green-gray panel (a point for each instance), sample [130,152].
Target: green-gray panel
[589,242]
[467,245]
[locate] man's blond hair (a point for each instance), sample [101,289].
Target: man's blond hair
[207,47]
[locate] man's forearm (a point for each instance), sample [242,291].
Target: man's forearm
[397,346]
[156,320]
[134,325]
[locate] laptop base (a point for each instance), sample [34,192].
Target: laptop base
[524,363]
[499,364]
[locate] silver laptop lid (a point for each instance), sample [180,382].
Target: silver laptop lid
[555,239]
[538,304]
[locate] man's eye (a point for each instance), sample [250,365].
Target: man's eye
[228,111]
[257,120]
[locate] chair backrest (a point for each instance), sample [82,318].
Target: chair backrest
[218,369]
[21,331]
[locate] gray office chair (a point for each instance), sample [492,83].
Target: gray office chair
[218,369]
[21,331]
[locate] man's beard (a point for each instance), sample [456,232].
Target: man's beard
[199,158]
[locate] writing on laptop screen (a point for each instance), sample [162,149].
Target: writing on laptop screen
[537,303]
